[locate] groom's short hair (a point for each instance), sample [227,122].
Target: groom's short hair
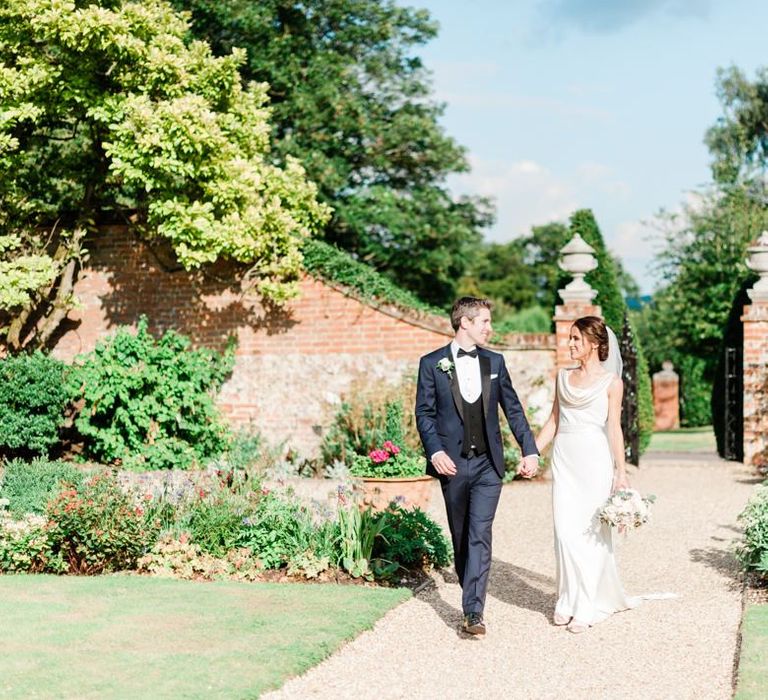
[469,307]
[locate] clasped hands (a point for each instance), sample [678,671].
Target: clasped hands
[528,467]
[444,465]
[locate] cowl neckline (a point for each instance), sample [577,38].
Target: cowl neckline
[581,396]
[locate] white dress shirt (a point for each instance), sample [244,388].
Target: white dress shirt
[467,373]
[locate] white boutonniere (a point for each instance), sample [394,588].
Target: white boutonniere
[445,365]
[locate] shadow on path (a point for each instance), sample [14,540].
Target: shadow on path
[522,588]
[721,560]
[510,584]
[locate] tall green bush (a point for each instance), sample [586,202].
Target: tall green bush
[33,397]
[150,402]
[605,280]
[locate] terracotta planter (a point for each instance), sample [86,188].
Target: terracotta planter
[409,492]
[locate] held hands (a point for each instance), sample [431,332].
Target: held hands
[529,466]
[443,464]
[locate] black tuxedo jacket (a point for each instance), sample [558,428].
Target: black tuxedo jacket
[439,408]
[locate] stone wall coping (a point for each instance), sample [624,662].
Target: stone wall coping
[435,324]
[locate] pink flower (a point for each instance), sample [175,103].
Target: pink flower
[390,447]
[378,456]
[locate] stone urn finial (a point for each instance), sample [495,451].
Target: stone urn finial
[577,257]
[758,261]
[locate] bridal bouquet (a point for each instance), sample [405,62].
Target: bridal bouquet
[626,509]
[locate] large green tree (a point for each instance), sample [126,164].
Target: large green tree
[738,141]
[353,103]
[110,110]
[702,263]
[703,269]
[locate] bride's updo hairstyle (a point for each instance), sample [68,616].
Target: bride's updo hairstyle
[593,328]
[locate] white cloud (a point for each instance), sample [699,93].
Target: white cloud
[528,193]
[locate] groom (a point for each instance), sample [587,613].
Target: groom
[460,388]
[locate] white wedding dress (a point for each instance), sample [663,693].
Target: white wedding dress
[588,585]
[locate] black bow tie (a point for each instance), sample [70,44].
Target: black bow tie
[469,353]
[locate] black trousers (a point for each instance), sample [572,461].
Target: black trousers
[471,498]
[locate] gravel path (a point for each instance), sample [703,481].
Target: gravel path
[668,649]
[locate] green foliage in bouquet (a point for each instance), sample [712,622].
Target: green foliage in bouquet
[29,486]
[150,402]
[33,398]
[752,551]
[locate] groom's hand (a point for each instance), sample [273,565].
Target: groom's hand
[443,464]
[529,466]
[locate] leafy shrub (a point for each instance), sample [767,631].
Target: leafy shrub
[245,450]
[150,403]
[179,558]
[534,319]
[33,397]
[29,486]
[96,528]
[277,531]
[370,414]
[411,539]
[25,546]
[214,521]
[752,551]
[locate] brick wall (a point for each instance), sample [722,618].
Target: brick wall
[755,321]
[292,365]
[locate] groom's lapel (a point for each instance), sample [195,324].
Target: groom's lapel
[485,380]
[454,382]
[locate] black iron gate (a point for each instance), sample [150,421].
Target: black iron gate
[733,399]
[630,425]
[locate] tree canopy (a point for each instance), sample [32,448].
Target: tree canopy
[738,141]
[109,109]
[353,103]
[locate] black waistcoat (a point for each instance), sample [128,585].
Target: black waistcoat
[474,426]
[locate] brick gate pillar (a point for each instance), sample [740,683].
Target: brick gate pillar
[755,320]
[666,398]
[578,259]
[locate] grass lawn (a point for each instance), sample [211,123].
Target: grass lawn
[753,662]
[137,637]
[684,440]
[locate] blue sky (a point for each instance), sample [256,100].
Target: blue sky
[564,104]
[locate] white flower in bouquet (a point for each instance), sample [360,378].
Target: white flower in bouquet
[626,509]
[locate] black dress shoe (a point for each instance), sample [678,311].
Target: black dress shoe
[473,624]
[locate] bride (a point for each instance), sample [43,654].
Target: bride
[587,466]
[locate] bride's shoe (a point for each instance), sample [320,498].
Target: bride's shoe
[577,627]
[560,620]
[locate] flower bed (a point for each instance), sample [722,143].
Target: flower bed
[210,524]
